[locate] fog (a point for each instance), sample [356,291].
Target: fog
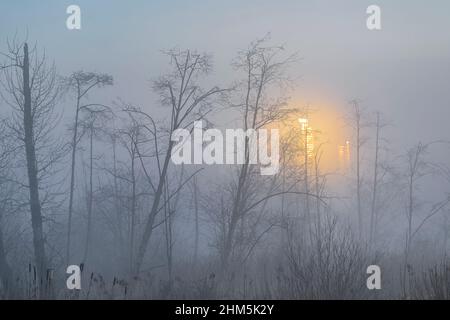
[87,177]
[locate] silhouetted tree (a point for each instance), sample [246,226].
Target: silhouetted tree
[80,83]
[30,87]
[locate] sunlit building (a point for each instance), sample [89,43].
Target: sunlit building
[307,133]
[344,156]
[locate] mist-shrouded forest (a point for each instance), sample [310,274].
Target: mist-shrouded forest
[87,179]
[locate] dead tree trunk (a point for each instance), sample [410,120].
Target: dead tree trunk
[357,125]
[35,205]
[82,83]
[153,211]
[133,200]
[168,235]
[373,219]
[72,182]
[90,195]
[116,199]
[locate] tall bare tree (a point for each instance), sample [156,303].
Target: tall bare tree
[31,89]
[130,139]
[263,67]
[358,124]
[81,83]
[418,166]
[94,125]
[380,170]
[187,101]
[375,178]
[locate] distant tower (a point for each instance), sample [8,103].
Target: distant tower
[347,152]
[307,133]
[344,156]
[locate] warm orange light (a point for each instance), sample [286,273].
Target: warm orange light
[326,134]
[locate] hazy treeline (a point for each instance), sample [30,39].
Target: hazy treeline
[89,181]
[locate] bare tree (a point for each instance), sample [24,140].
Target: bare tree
[375,178]
[93,124]
[306,144]
[130,138]
[417,167]
[170,208]
[263,67]
[116,191]
[31,89]
[380,170]
[320,180]
[180,91]
[358,125]
[290,150]
[81,83]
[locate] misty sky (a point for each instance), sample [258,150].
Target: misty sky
[403,70]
